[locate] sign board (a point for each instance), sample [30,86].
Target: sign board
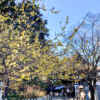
[98,83]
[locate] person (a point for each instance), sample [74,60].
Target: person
[62,93]
[68,91]
[87,92]
[82,93]
[89,95]
[77,92]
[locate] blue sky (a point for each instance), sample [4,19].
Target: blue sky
[75,9]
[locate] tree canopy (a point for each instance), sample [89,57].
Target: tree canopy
[25,16]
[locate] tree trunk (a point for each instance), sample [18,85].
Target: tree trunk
[92,89]
[92,93]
